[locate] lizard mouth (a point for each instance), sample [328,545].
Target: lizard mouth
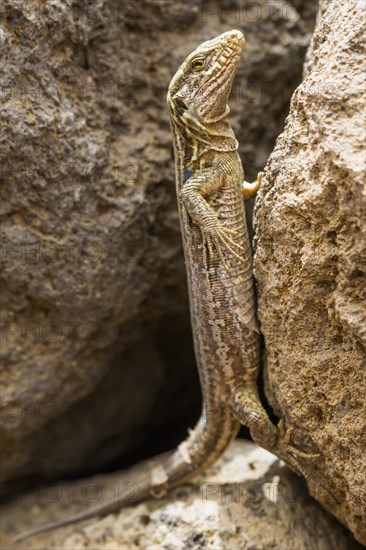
[234,42]
[231,42]
[228,48]
[229,51]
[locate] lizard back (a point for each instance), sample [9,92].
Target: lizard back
[220,283]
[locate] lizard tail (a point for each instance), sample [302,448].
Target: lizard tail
[106,508]
[201,449]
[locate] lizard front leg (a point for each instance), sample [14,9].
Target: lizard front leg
[203,184]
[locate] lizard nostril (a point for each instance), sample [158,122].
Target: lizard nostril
[235,36]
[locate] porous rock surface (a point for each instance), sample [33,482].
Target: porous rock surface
[96,343]
[310,267]
[247,500]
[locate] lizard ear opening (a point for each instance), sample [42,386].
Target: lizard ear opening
[181,106]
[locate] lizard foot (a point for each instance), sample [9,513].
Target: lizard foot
[290,455]
[222,239]
[276,439]
[284,441]
[250,189]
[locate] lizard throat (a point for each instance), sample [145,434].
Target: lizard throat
[198,139]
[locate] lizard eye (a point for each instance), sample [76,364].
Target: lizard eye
[198,63]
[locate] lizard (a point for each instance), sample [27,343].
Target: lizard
[210,188]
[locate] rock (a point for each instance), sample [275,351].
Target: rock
[310,267]
[93,270]
[247,500]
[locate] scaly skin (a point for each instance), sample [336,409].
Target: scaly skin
[210,187]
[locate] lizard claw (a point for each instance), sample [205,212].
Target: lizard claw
[221,239]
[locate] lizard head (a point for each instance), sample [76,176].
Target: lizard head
[198,94]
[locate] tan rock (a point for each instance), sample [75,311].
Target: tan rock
[94,287]
[247,500]
[310,266]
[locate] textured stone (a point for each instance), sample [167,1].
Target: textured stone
[92,263]
[247,500]
[310,267]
